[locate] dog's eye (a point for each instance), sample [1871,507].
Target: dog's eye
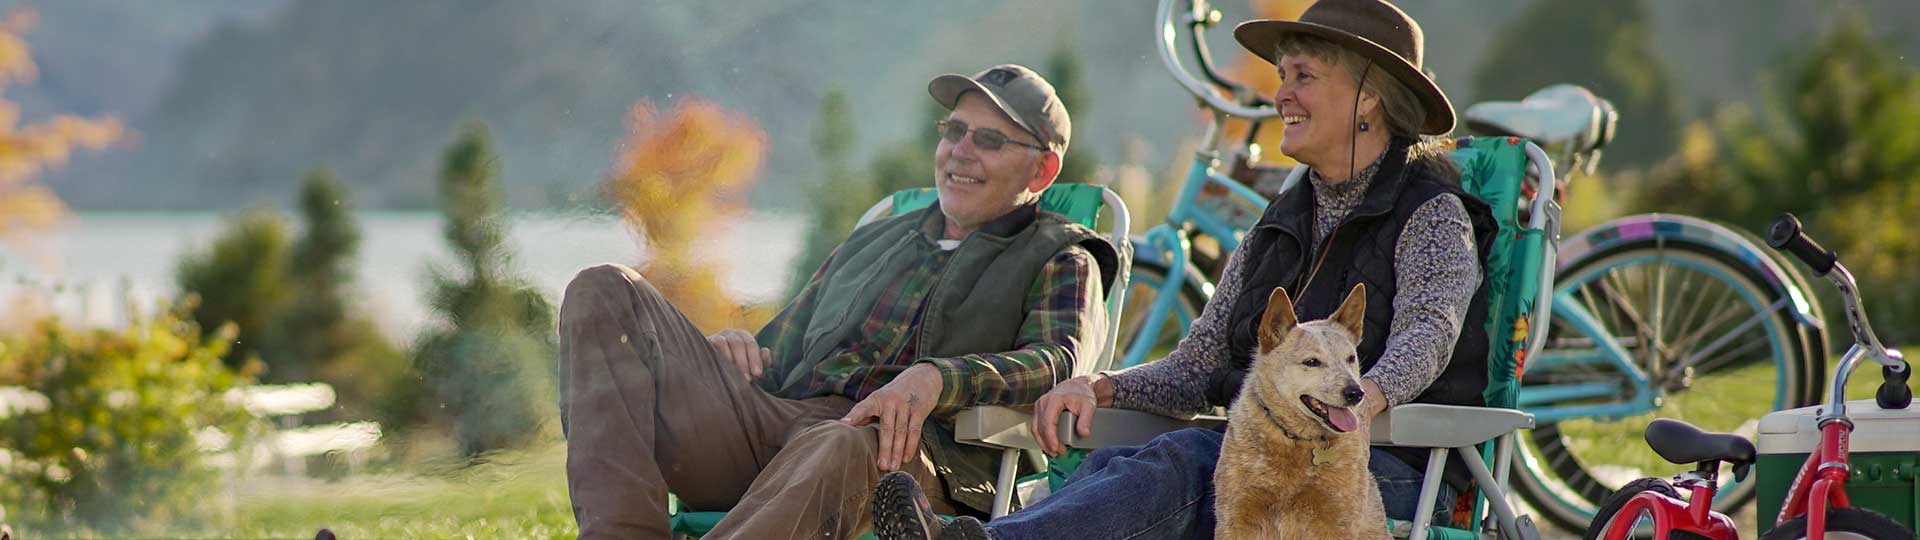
[1353,359]
[1311,362]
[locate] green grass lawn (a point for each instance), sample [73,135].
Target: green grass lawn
[515,495]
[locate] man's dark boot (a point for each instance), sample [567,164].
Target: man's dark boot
[965,528]
[901,512]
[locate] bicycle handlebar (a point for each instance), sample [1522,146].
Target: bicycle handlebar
[1787,235]
[1168,32]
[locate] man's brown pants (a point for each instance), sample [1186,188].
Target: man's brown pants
[648,406]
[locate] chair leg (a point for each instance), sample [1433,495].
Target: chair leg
[1429,491]
[1003,486]
[1496,495]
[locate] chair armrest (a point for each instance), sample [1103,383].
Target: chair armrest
[1426,425]
[1124,427]
[1006,427]
[995,427]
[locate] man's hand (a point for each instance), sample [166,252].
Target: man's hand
[1078,395]
[738,346]
[900,407]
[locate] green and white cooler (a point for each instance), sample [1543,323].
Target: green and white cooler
[1885,455]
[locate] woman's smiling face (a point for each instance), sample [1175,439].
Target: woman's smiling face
[1316,100]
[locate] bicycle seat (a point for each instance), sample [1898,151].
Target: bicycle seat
[1562,113]
[1681,443]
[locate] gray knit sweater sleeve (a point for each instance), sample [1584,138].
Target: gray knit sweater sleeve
[1437,270]
[1177,385]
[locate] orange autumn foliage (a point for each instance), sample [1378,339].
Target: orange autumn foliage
[677,175]
[26,150]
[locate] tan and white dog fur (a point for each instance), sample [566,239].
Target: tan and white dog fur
[1294,462]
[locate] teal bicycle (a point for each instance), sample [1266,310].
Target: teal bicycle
[1652,315]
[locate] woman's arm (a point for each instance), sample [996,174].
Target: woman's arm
[1437,271]
[1177,385]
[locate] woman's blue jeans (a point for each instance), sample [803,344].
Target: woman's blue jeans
[1164,489]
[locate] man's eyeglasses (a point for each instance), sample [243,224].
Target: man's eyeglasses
[988,139]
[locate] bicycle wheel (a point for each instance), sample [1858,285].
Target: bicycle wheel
[1709,344]
[1845,524]
[1143,288]
[1644,529]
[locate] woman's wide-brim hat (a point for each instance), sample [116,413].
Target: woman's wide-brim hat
[1374,29]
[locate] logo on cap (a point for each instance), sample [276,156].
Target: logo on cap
[998,77]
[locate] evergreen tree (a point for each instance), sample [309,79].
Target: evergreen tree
[1067,75]
[311,329]
[843,196]
[1606,47]
[242,279]
[489,368]
[1834,144]
[321,338]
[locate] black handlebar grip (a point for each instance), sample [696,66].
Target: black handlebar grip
[1894,392]
[1785,235]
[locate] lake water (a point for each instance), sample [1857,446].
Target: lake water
[81,267]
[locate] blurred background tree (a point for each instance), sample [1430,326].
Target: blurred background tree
[831,213]
[1833,143]
[129,420]
[1607,47]
[490,367]
[289,300]
[26,150]
[1065,70]
[242,279]
[679,175]
[320,335]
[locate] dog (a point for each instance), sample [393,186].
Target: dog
[1294,464]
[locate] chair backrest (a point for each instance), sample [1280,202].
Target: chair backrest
[1519,267]
[1081,203]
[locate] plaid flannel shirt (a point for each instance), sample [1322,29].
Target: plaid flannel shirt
[1041,356]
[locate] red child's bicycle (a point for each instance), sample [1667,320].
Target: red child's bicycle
[1816,504]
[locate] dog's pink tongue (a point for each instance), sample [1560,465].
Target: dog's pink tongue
[1343,419]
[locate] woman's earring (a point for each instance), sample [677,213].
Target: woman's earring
[1363,125]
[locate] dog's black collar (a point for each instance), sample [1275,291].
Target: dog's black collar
[1275,418]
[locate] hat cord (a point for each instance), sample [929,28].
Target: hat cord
[1353,135]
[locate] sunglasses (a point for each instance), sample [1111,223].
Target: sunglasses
[988,139]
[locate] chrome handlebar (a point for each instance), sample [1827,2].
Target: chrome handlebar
[1197,16]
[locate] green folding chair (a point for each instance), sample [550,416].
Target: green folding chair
[1502,172]
[1081,203]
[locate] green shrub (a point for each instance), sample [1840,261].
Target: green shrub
[119,442]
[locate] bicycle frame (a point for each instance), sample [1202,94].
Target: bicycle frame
[1820,485]
[1670,514]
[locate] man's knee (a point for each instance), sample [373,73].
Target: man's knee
[838,438]
[603,279]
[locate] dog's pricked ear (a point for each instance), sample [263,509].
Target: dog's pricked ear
[1353,311]
[1278,320]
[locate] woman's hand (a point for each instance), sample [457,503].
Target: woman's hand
[1370,406]
[1080,396]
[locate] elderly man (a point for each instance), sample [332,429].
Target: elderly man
[979,299]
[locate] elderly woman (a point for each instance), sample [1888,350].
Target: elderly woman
[1381,208]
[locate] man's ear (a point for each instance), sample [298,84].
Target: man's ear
[1044,172]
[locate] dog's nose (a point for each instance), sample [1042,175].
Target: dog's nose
[1353,393]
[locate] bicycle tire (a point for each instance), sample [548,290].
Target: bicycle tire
[1559,482]
[1850,523]
[1601,519]
[1143,288]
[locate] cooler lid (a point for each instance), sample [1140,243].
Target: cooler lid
[1792,431]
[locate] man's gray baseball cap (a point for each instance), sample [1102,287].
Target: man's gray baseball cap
[1020,93]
